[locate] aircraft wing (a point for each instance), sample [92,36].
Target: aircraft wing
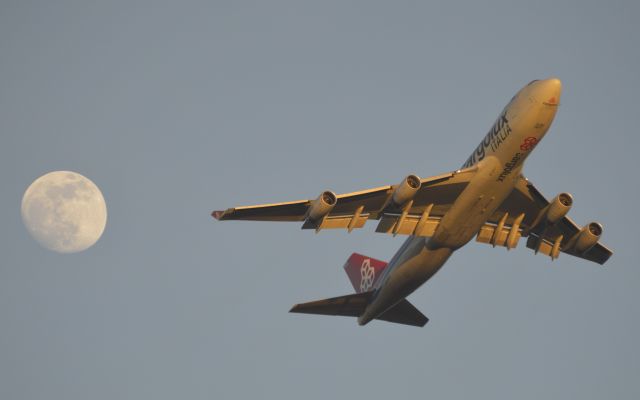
[422,203]
[523,213]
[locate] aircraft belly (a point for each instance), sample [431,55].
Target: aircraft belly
[474,206]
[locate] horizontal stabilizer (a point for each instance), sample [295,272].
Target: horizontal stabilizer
[352,305]
[404,313]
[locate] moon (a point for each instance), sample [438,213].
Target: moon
[64,211]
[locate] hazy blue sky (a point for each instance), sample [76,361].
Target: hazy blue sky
[175,109]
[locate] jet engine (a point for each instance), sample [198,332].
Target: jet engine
[406,190]
[559,207]
[588,237]
[322,205]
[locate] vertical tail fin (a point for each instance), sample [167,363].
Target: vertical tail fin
[363,271]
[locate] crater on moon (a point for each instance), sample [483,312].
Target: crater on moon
[64,211]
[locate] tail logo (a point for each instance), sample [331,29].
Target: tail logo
[367,275]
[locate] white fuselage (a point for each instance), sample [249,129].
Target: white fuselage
[498,160]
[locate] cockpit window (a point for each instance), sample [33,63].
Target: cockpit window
[535,80]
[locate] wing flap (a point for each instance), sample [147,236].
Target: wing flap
[410,225]
[338,222]
[491,235]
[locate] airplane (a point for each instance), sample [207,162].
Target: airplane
[488,197]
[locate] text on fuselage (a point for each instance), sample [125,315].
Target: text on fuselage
[498,133]
[509,167]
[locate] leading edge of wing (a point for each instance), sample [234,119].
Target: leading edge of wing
[368,203]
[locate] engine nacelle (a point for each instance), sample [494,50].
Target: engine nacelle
[559,207]
[322,205]
[406,190]
[588,237]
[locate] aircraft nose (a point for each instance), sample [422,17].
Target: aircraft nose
[550,91]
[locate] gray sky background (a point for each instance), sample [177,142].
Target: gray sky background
[175,109]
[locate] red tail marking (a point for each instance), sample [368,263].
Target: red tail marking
[363,271]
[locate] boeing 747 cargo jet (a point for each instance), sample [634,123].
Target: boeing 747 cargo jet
[488,197]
